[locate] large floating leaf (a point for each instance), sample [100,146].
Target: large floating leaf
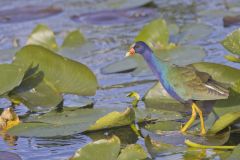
[157,97]
[66,75]
[155,34]
[27,13]
[104,149]
[224,121]
[36,91]
[193,32]
[4,155]
[73,39]
[114,119]
[219,72]
[232,58]
[158,147]
[43,36]
[231,42]
[132,152]
[67,122]
[11,77]
[161,126]
[182,55]
[117,4]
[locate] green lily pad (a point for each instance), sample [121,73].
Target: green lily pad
[73,39]
[36,91]
[158,147]
[67,76]
[193,32]
[155,34]
[156,114]
[231,42]
[43,36]
[105,149]
[114,119]
[182,55]
[158,127]
[132,152]
[4,155]
[122,4]
[224,121]
[12,76]
[69,121]
[157,97]
[232,58]
[219,72]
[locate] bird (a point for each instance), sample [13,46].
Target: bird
[184,83]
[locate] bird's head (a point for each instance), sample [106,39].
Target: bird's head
[138,47]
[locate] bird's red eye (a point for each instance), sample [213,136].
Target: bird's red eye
[132,51]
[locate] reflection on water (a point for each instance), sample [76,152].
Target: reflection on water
[110,42]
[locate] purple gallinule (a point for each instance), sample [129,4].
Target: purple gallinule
[185,84]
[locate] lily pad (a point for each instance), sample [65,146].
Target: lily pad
[132,152]
[157,97]
[232,58]
[43,36]
[193,32]
[4,155]
[12,76]
[36,91]
[231,42]
[123,4]
[162,126]
[155,34]
[114,119]
[105,149]
[73,39]
[158,147]
[219,72]
[65,75]
[115,17]
[27,13]
[224,121]
[67,122]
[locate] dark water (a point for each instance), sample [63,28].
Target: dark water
[111,33]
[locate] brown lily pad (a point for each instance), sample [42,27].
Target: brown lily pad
[231,20]
[111,17]
[27,13]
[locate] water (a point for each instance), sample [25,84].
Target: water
[111,38]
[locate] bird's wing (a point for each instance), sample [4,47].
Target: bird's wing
[190,84]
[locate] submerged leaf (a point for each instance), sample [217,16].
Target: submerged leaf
[232,43]
[132,152]
[67,76]
[73,39]
[12,76]
[43,36]
[104,149]
[114,119]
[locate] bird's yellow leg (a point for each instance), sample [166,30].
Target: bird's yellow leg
[203,130]
[191,120]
